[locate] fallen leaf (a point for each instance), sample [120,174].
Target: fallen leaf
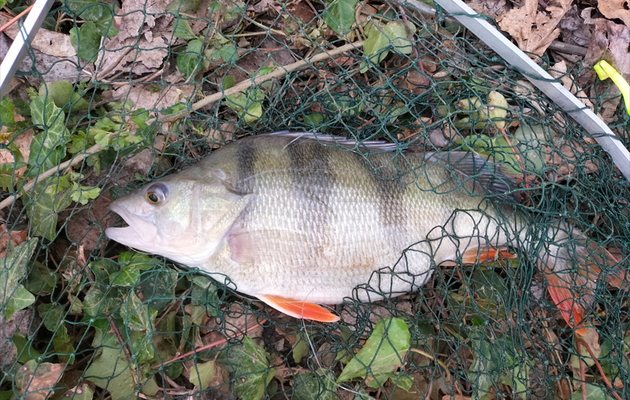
[493,8]
[615,9]
[574,30]
[534,30]
[37,380]
[159,100]
[609,42]
[48,42]
[15,237]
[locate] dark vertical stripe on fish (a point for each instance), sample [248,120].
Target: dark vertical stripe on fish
[313,182]
[391,193]
[246,154]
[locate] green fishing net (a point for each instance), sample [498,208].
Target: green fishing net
[143,88]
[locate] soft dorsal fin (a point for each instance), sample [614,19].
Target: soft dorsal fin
[486,177]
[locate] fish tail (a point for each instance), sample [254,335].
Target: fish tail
[572,264]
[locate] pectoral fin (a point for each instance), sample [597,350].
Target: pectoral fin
[299,308]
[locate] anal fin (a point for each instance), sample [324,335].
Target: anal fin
[299,308]
[476,255]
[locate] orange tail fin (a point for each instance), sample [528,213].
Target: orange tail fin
[573,270]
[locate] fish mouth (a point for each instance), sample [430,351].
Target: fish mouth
[138,233]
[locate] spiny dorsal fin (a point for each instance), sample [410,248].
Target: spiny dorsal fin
[350,144]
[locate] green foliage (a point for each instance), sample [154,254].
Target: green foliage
[86,40]
[183,30]
[64,96]
[250,366]
[190,59]
[201,374]
[111,371]
[340,15]
[379,39]
[14,296]
[383,353]
[319,385]
[6,113]
[493,362]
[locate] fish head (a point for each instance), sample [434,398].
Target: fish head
[183,217]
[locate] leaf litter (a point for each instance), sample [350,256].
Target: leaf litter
[191,313]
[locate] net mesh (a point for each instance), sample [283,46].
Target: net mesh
[148,92]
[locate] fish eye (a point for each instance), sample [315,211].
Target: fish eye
[156,193]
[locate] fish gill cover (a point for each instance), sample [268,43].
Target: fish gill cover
[114,96]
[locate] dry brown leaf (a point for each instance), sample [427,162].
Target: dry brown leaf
[563,159]
[493,8]
[534,30]
[159,100]
[39,382]
[235,321]
[15,237]
[574,30]
[48,42]
[609,42]
[615,9]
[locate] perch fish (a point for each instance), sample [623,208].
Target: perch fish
[299,220]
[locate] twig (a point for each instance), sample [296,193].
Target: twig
[201,103]
[16,18]
[583,343]
[258,80]
[170,307]
[79,157]
[448,374]
[209,346]
[125,346]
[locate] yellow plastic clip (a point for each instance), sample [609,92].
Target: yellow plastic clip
[605,71]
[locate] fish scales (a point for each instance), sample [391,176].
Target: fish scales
[319,216]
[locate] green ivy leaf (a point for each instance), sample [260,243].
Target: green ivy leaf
[188,61]
[52,118]
[383,352]
[101,301]
[86,40]
[104,269]
[111,370]
[44,205]
[158,288]
[63,95]
[340,15]
[247,104]
[201,374]
[83,194]
[132,264]
[18,300]
[105,25]
[7,116]
[137,314]
[88,10]
[42,158]
[307,386]
[251,369]
[182,29]
[399,36]
[13,271]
